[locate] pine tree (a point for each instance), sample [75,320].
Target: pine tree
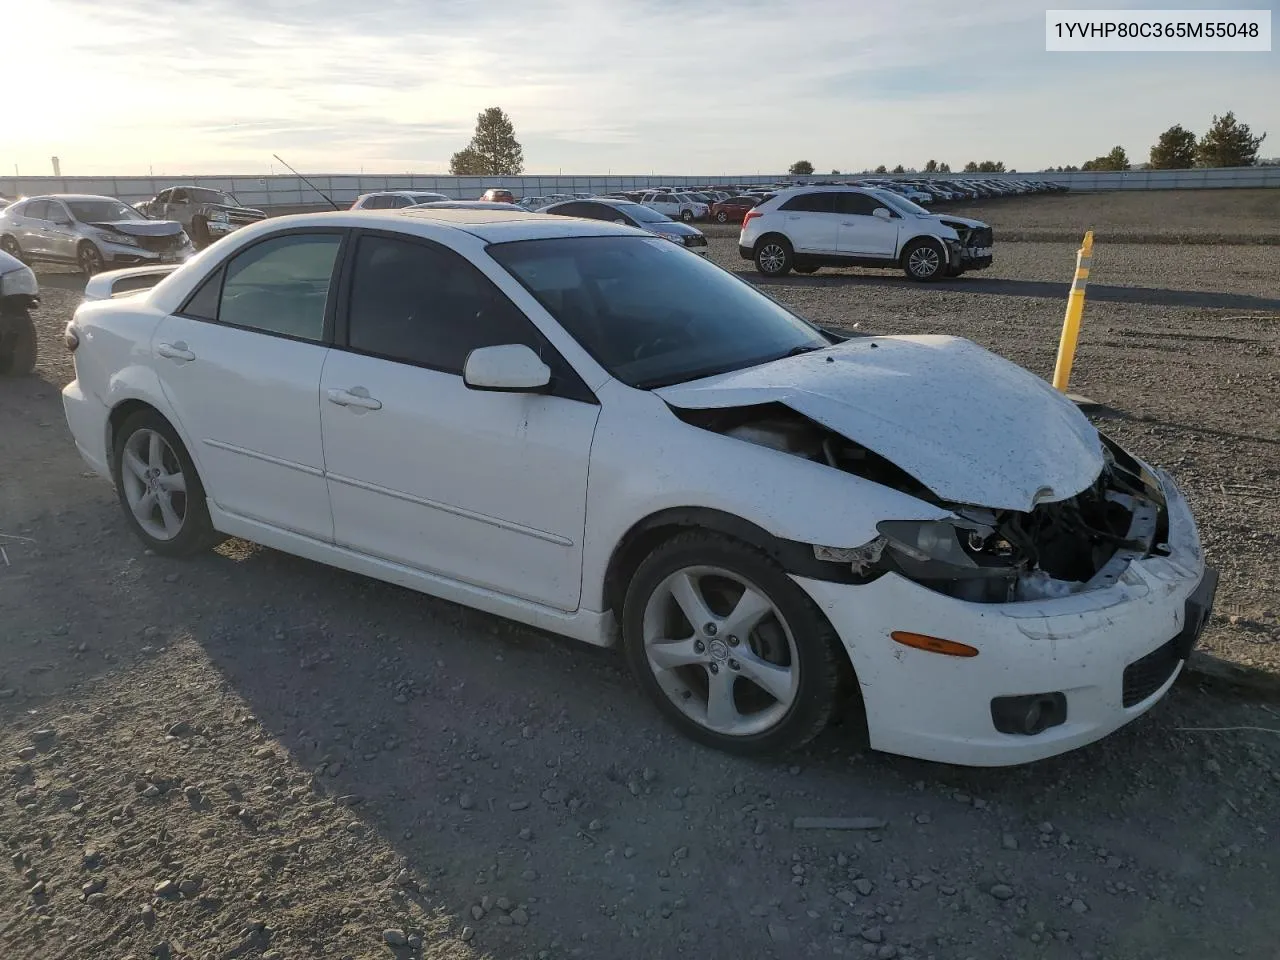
[1175,149]
[493,151]
[1228,143]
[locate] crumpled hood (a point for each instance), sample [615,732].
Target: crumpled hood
[969,425]
[142,228]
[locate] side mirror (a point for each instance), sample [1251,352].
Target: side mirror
[509,368]
[882,213]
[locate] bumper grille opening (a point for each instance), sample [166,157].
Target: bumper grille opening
[161,244]
[1144,677]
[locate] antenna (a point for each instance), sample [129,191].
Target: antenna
[308,183]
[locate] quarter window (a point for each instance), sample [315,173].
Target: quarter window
[281,285]
[811,203]
[37,210]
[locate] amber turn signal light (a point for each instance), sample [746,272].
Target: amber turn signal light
[934,644]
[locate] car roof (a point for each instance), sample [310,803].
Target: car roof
[72,196]
[493,226]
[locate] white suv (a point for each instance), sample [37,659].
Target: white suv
[677,206]
[805,228]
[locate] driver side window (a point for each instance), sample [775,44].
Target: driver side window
[178,196]
[163,196]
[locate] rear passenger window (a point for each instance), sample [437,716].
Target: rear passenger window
[281,285]
[811,203]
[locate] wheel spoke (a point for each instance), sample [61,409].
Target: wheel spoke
[769,677]
[722,712]
[135,465]
[685,590]
[172,522]
[143,507]
[669,654]
[155,452]
[173,482]
[750,609]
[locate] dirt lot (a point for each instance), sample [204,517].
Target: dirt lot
[249,755]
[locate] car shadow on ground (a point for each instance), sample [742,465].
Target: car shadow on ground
[1039,289]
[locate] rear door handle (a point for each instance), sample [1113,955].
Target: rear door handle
[355,397]
[175,351]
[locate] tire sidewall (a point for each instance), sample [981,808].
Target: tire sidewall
[197,532]
[814,638]
[100,262]
[11,246]
[788,255]
[18,343]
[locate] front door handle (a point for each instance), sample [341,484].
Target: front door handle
[355,397]
[175,351]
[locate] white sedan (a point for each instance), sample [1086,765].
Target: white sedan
[591,430]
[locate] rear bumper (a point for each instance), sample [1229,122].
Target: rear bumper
[87,420]
[746,253]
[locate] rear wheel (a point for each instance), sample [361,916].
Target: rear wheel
[10,246]
[773,256]
[730,648]
[17,343]
[924,260]
[686,216]
[722,217]
[159,488]
[90,259]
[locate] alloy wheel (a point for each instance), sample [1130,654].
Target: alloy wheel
[772,258]
[154,484]
[924,261]
[721,651]
[90,258]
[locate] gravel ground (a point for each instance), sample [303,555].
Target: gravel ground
[249,755]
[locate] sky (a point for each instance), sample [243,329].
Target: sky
[593,86]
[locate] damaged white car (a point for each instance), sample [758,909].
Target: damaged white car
[593,431]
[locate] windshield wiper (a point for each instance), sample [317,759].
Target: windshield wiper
[802,349]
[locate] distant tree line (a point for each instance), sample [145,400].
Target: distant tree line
[1227,143]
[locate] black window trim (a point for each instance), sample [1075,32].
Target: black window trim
[570,387]
[330,304]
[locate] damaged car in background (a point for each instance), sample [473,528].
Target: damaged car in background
[95,233]
[206,214]
[779,524]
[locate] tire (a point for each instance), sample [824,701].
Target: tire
[18,343]
[791,646]
[10,246]
[89,257]
[774,256]
[200,233]
[686,216]
[924,260]
[194,531]
[808,269]
[722,217]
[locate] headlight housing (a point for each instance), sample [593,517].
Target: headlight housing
[218,216]
[948,549]
[122,239]
[19,282]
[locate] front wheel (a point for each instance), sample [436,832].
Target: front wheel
[774,256]
[924,260]
[686,216]
[731,649]
[89,257]
[200,233]
[10,246]
[17,343]
[159,489]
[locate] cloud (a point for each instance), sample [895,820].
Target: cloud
[627,86]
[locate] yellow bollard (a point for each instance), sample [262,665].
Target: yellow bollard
[1075,310]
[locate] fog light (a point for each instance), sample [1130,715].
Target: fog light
[1029,715]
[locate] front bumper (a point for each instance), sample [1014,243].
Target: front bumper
[220,228]
[125,255]
[1113,653]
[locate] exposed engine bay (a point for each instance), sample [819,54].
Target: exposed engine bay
[982,555]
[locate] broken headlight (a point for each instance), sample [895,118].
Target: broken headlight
[947,549]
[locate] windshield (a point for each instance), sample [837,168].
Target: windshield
[645,214]
[427,197]
[205,195]
[652,313]
[102,211]
[900,203]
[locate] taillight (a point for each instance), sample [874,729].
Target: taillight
[71,337]
[751,215]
